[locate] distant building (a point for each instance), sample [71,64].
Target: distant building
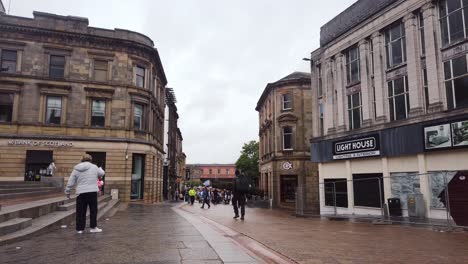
[390,93]
[213,172]
[285,119]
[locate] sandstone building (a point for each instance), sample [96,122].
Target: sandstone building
[67,89]
[285,120]
[390,86]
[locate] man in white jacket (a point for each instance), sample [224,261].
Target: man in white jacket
[85,176]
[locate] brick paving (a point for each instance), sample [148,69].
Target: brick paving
[315,240]
[138,234]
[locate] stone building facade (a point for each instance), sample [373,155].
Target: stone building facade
[67,89]
[390,86]
[285,120]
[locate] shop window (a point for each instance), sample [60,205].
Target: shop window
[438,180]
[8,63]
[352,65]
[138,174]
[354,110]
[456,82]
[287,101]
[287,138]
[395,45]
[288,188]
[138,117]
[98,113]
[140,76]
[453,20]
[336,192]
[6,107]
[404,184]
[368,190]
[398,98]
[100,70]
[422,41]
[37,163]
[54,110]
[57,67]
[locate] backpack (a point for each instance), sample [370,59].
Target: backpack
[243,184]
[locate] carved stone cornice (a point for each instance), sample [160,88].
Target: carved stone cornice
[290,118]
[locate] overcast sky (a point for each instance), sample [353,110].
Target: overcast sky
[218,55]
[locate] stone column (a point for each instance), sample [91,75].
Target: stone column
[365,85]
[340,92]
[413,67]
[328,86]
[431,23]
[379,77]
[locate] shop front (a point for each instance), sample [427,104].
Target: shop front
[422,165]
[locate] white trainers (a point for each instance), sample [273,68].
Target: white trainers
[95,230]
[79,232]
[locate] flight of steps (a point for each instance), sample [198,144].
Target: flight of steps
[22,189]
[21,221]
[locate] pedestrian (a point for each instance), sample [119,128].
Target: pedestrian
[192,194]
[85,176]
[240,189]
[51,168]
[206,198]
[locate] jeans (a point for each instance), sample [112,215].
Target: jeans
[239,201]
[82,202]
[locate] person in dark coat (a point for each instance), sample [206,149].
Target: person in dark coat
[240,189]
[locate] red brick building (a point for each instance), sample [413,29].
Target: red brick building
[212,171]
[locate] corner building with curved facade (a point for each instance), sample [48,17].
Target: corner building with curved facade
[67,89]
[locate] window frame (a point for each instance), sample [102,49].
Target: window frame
[319,81]
[343,182]
[284,102]
[452,82]
[290,134]
[92,112]
[56,66]
[12,96]
[393,116]
[137,76]
[422,34]
[349,65]
[95,69]
[445,20]
[351,108]
[47,119]
[142,117]
[2,60]
[389,41]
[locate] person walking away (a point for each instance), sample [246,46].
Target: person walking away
[85,176]
[192,194]
[240,189]
[206,198]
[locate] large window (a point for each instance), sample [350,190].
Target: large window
[100,70]
[453,20]
[336,192]
[319,81]
[354,110]
[54,110]
[368,190]
[352,65]
[395,45]
[426,88]
[288,188]
[322,128]
[98,113]
[398,98]
[57,67]
[6,107]
[422,42]
[287,101]
[287,138]
[138,117]
[140,76]
[456,82]
[9,61]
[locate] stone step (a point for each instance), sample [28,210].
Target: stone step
[53,221]
[27,194]
[72,204]
[14,225]
[23,185]
[23,189]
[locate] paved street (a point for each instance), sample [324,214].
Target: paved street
[313,240]
[139,234]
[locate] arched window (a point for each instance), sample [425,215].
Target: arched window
[287,138]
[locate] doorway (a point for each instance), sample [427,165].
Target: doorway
[138,172]
[288,188]
[37,162]
[99,159]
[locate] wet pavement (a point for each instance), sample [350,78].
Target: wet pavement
[138,234]
[315,240]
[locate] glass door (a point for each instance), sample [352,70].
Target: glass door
[138,172]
